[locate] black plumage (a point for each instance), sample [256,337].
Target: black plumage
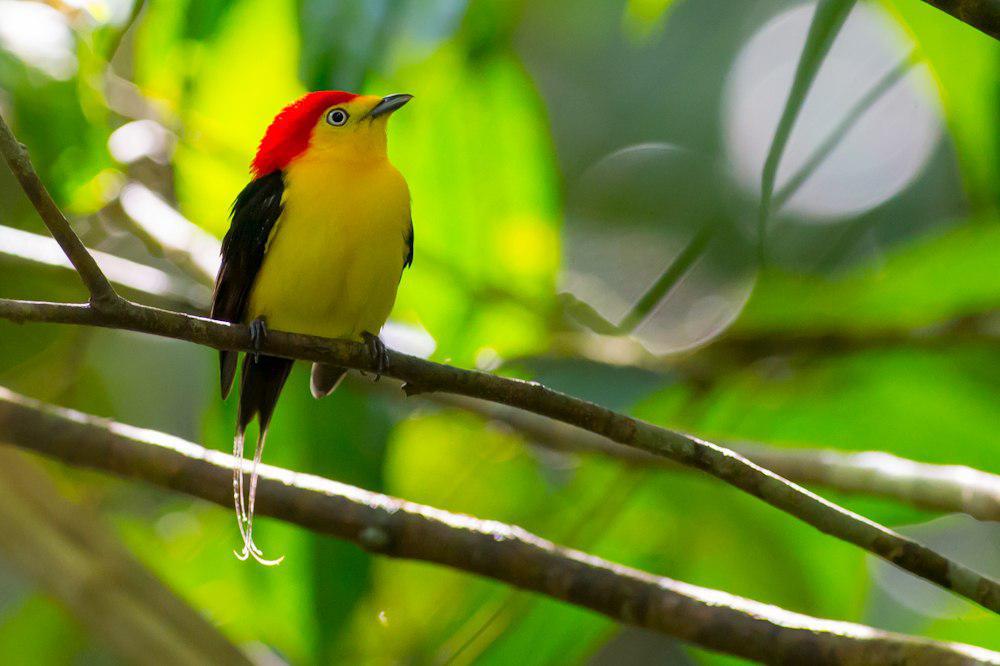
[408,239]
[254,214]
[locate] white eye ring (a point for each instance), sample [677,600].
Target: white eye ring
[337,117]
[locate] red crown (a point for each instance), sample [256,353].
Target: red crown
[289,133]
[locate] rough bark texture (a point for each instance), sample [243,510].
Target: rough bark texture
[20,165]
[423,376]
[396,528]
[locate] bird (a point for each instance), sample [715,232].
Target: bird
[317,244]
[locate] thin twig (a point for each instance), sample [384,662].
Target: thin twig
[426,376]
[948,488]
[101,291]
[109,310]
[827,20]
[396,528]
[672,274]
[834,138]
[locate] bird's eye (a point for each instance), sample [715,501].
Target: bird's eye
[337,117]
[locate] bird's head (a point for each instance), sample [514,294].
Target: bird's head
[326,123]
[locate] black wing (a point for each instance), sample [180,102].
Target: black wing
[254,214]
[408,239]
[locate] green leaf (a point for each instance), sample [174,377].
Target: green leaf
[344,43]
[202,18]
[474,148]
[224,108]
[342,40]
[931,280]
[966,65]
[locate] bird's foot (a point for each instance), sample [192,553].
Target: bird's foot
[377,350]
[258,333]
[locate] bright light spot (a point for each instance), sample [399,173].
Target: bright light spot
[169,227]
[142,138]
[652,243]
[886,148]
[42,249]
[38,35]
[383,619]
[487,359]
[409,339]
[104,11]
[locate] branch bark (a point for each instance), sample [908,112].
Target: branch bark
[425,376]
[109,310]
[947,488]
[396,528]
[17,159]
[983,15]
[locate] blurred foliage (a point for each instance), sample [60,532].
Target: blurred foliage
[515,102]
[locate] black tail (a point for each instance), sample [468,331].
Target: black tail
[263,379]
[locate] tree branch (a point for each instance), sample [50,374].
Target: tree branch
[424,376]
[947,488]
[109,310]
[396,528]
[16,155]
[983,15]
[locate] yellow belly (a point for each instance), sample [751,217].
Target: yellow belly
[335,257]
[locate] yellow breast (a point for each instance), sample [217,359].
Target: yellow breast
[335,256]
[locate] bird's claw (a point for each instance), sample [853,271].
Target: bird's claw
[378,352]
[258,333]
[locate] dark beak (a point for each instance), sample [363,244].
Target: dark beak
[389,104]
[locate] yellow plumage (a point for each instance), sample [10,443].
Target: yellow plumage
[317,245]
[335,256]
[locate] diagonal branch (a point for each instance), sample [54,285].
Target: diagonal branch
[426,376]
[109,310]
[396,528]
[100,289]
[948,488]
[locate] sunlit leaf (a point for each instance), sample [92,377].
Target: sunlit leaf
[928,281]
[473,148]
[966,64]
